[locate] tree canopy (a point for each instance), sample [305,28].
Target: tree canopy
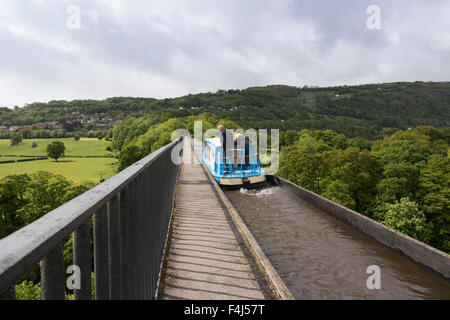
[56,150]
[368,111]
[402,180]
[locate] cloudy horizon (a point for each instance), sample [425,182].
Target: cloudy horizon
[164,49]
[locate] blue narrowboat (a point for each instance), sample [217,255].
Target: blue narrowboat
[235,168]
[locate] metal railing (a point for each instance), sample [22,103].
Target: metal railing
[131,213]
[238,162]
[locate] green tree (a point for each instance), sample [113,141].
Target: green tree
[56,150]
[159,135]
[360,143]
[42,134]
[435,195]
[100,135]
[405,216]
[302,168]
[129,155]
[16,138]
[399,180]
[26,197]
[403,155]
[308,144]
[45,192]
[26,134]
[13,190]
[54,134]
[351,178]
[331,138]
[289,137]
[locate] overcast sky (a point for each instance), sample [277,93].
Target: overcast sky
[148,48]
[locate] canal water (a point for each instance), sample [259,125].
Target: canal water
[319,257]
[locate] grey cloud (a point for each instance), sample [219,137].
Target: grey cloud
[168,48]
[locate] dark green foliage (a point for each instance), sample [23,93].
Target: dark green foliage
[28,290]
[137,138]
[288,137]
[405,216]
[129,155]
[434,192]
[402,180]
[13,190]
[56,150]
[368,111]
[16,138]
[25,198]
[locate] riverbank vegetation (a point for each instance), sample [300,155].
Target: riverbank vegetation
[402,180]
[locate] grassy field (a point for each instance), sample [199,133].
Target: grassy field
[83,147]
[75,169]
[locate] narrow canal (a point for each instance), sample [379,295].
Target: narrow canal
[319,257]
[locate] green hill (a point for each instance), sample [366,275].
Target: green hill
[368,111]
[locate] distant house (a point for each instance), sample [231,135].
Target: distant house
[41,125]
[3,128]
[19,128]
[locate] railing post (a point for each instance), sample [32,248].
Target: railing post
[101,254]
[146,245]
[140,225]
[149,231]
[114,247]
[125,268]
[9,294]
[155,210]
[82,259]
[52,275]
[134,243]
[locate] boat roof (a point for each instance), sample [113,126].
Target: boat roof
[215,142]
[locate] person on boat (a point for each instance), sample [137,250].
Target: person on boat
[226,139]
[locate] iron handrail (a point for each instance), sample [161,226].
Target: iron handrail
[118,206]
